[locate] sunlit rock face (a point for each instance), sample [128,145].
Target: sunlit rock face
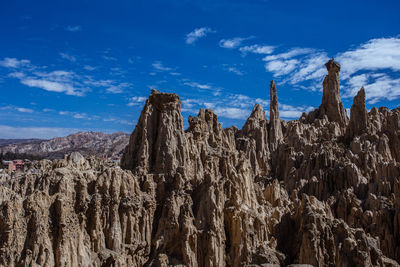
[321,190]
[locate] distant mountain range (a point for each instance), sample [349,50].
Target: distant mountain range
[87,143]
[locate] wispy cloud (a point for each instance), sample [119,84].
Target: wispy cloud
[257,49]
[109,58]
[118,88]
[136,101]
[231,106]
[158,66]
[232,69]
[60,81]
[25,110]
[376,54]
[68,57]
[374,65]
[239,106]
[232,43]
[196,34]
[19,109]
[13,62]
[197,85]
[290,112]
[72,28]
[89,68]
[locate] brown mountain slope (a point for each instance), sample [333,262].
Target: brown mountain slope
[323,191]
[87,143]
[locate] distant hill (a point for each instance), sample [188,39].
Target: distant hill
[87,143]
[4,142]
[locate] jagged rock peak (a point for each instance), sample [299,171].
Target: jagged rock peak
[160,123]
[258,112]
[275,128]
[358,116]
[332,105]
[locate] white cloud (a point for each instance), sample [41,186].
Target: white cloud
[293,112]
[257,49]
[231,113]
[118,88]
[374,65]
[376,54]
[196,34]
[289,54]
[378,86]
[298,64]
[75,28]
[281,67]
[53,86]
[68,57]
[136,100]
[13,62]
[158,65]
[25,110]
[232,69]
[80,116]
[232,106]
[197,85]
[110,58]
[239,106]
[232,43]
[89,68]
[60,81]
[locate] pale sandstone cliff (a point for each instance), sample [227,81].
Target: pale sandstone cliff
[319,190]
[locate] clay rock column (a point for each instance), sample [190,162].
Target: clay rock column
[332,105]
[158,144]
[358,116]
[275,128]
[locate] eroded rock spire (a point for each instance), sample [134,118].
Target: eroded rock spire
[331,105]
[358,116]
[157,143]
[275,128]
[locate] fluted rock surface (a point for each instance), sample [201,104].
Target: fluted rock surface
[210,196]
[358,123]
[331,105]
[275,131]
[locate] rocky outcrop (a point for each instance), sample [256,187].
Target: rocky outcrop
[209,196]
[275,128]
[358,116]
[331,105]
[157,145]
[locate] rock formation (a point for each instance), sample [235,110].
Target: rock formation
[210,196]
[331,105]
[358,116]
[275,131]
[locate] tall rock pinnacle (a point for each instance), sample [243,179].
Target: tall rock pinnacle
[275,129]
[331,105]
[358,116]
[158,142]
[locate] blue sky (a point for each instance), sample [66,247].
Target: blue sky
[68,66]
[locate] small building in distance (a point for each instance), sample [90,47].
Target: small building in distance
[9,165]
[14,165]
[19,164]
